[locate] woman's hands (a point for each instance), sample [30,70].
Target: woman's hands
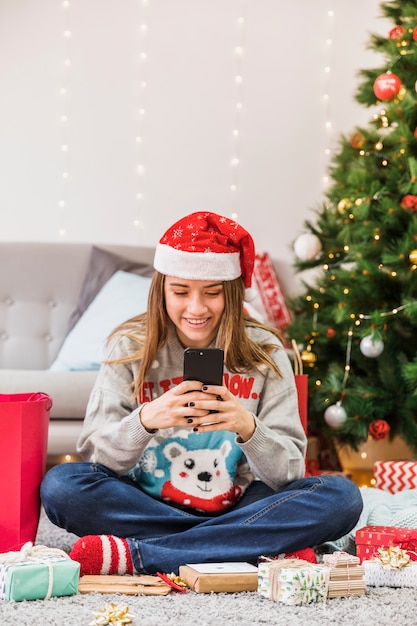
[202,408]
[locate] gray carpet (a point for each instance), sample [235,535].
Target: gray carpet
[382,606]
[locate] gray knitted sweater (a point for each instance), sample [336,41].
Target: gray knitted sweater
[114,436]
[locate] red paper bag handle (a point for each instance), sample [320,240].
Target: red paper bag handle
[38,396]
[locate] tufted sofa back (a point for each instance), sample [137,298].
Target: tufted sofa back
[39,288]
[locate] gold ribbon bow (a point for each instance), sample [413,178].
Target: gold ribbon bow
[114,614]
[393,557]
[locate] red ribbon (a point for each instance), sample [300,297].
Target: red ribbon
[171,583]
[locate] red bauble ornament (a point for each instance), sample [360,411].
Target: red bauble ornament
[397,32]
[387,86]
[379,429]
[415,34]
[409,203]
[330,333]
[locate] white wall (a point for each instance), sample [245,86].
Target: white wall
[189,101]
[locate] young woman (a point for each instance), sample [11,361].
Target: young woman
[162,483]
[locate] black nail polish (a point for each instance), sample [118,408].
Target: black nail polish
[190,420]
[191,404]
[219,398]
[195,429]
[205,387]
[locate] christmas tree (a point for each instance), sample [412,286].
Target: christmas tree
[356,319]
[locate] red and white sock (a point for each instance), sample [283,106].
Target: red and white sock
[102,554]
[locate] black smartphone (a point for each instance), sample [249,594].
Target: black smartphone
[204,365]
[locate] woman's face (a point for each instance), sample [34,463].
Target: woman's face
[195,307]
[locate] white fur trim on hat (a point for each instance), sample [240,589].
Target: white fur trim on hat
[196,265]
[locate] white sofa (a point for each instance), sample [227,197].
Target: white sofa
[44,290]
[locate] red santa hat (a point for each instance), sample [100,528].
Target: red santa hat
[206,246]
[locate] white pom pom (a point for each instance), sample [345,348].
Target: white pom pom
[250,294]
[307,247]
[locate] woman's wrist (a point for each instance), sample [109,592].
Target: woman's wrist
[142,419]
[249,428]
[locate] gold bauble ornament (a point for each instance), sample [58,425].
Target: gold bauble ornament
[308,357]
[413,257]
[343,204]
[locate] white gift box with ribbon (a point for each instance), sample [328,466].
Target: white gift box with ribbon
[293,581]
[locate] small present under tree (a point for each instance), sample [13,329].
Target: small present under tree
[356,321]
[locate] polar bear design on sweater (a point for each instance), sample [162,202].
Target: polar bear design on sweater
[199,478]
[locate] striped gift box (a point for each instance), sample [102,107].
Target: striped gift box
[394,476]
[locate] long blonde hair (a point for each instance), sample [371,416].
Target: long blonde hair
[149,332]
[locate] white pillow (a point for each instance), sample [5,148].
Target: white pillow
[123,296]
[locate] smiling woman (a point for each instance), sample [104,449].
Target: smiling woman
[163,478]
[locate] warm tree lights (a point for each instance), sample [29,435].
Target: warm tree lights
[357,322]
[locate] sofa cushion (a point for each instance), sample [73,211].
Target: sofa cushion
[123,296]
[102,265]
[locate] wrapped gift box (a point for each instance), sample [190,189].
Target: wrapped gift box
[377,576]
[293,581]
[394,476]
[346,588]
[346,575]
[38,580]
[343,566]
[220,577]
[145,585]
[370,538]
[342,561]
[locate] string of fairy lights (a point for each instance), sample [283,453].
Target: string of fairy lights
[327,73]
[142,88]
[64,95]
[370,346]
[235,160]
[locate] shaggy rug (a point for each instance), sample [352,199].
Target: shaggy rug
[382,606]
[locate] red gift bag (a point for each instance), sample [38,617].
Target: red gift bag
[24,421]
[301,382]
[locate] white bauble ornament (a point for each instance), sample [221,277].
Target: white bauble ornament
[307,247]
[371,347]
[335,415]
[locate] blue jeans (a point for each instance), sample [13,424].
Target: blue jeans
[90,499]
